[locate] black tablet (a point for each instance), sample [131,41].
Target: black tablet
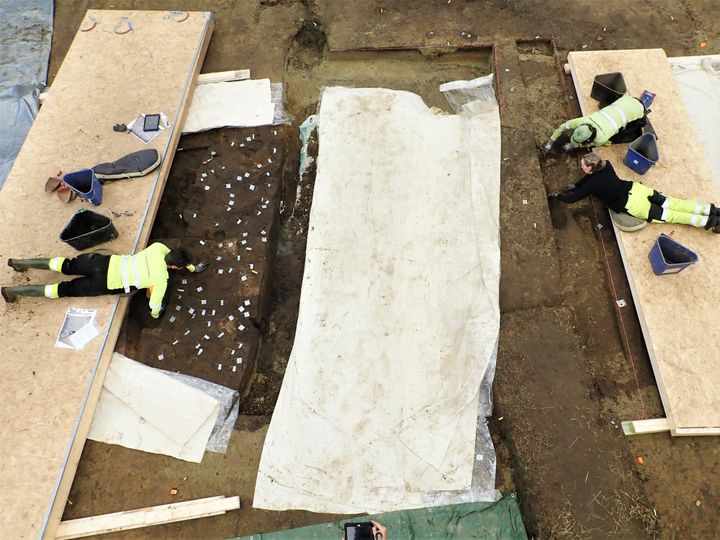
[359,531]
[152,122]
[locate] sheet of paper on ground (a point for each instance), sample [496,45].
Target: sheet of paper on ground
[143,408]
[398,312]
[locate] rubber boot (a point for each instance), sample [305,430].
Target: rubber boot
[20,265]
[10,294]
[713,224]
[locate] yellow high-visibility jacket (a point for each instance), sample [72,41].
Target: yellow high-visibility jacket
[144,270]
[607,121]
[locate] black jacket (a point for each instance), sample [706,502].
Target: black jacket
[605,185]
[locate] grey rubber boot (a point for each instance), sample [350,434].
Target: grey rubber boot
[20,265]
[10,294]
[133,165]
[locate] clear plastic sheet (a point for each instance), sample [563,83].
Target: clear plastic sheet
[26,36]
[461,93]
[306,129]
[229,400]
[277,96]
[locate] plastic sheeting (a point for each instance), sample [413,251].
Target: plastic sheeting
[25,40]
[399,310]
[162,412]
[468,521]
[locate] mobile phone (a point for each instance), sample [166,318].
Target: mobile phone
[359,531]
[151,122]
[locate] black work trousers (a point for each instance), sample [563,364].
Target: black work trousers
[94,268]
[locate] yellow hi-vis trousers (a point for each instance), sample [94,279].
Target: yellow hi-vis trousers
[646,203]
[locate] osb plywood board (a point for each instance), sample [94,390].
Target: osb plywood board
[677,312]
[48,394]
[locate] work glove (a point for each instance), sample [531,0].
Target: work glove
[569,187]
[568,147]
[201,267]
[552,196]
[120,128]
[547,146]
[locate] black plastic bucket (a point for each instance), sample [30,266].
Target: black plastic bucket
[87,229]
[608,88]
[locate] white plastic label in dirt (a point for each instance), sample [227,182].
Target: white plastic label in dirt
[398,317]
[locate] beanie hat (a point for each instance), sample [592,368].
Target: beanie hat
[582,134]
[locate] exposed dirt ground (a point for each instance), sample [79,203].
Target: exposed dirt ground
[571,364]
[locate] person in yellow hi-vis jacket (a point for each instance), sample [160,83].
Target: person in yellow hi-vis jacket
[599,128]
[107,274]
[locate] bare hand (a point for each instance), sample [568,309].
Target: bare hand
[379,532]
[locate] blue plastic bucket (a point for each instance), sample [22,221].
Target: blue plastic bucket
[85,184]
[669,257]
[642,153]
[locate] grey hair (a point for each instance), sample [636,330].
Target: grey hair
[595,162]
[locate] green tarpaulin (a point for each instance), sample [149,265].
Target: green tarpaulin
[483,520]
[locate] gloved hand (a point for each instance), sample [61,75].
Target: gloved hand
[569,187]
[547,146]
[201,267]
[552,196]
[120,128]
[568,147]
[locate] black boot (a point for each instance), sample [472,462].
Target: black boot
[20,265]
[714,210]
[713,224]
[10,294]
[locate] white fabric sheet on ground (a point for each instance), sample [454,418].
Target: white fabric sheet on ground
[399,308]
[698,78]
[145,409]
[230,104]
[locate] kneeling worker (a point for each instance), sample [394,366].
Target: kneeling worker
[598,128]
[107,274]
[635,198]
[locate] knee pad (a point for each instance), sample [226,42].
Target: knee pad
[656,198]
[655,213]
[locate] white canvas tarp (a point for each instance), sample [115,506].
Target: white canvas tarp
[399,309]
[236,103]
[144,408]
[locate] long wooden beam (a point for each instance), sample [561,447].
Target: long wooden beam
[146,517]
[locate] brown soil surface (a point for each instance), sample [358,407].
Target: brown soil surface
[571,363]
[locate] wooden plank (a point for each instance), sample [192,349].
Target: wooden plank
[659,425]
[203,78]
[49,394]
[675,311]
[146,517]
[640,427]
[224,76]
